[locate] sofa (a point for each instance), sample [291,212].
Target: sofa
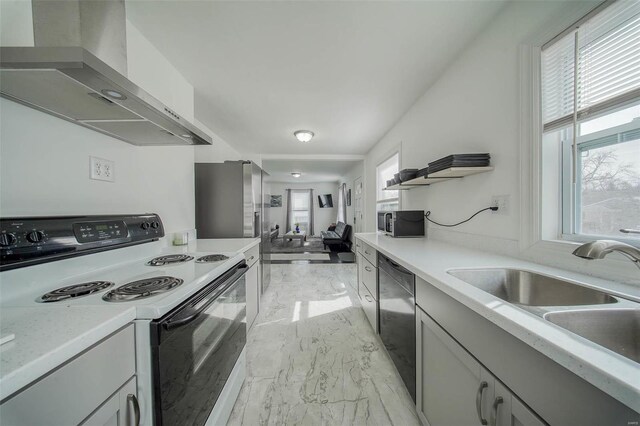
[274,232]
[338,237]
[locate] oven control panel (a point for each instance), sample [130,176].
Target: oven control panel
[32,240]
[96,231]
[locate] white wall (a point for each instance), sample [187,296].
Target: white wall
[355,172]
[16,23]
[217,152]
[150,70]
[45,160]
[44,170]
[322,217]
[473,107]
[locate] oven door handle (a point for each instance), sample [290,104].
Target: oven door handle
[205,303]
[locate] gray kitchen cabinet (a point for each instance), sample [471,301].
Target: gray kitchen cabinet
[368,281]
[508,410]
[537,388]
[453,388]
[86,385]
[370,308]
[119,410]
[359,260]
[253,294]
[449,381]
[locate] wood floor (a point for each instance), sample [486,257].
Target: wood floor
[313,359]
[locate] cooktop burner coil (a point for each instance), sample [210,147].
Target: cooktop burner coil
[169,259]
[212,258]
[142,288]
[74,291]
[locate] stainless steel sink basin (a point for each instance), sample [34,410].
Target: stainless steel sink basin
[531,289]
[615,329]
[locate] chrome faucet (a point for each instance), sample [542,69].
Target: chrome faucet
[600,248]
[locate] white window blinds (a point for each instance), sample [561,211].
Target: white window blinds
[608,65]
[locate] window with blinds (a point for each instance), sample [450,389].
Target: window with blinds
[602,55]
[591,119]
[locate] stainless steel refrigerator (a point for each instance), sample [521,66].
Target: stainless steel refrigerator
[230,204]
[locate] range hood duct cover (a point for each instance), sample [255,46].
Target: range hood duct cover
[73,84]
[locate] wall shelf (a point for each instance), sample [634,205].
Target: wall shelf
[441,176]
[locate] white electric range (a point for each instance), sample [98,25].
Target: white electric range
[189,305]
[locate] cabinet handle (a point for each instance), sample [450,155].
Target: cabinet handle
[494,413]
[366,268]
[251,258]
[481,389]
[366,296]
[366,252]
[131,398]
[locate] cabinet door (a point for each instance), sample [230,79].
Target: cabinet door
[118,410]
[253,295]
[508,410]
[448,379]
[129,408]
[359,262]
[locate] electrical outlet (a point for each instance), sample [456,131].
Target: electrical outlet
[102,169]
[502,202]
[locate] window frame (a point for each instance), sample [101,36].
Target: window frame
[391,200]
[570,226]
[293,210]
[533,242]
[533,130]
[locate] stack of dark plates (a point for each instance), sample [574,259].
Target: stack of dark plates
[422,172]
[459,160]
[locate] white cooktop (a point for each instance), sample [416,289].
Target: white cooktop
[22,287]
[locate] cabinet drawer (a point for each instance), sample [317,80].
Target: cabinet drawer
[252,255]
[370,308]
[72,392]
[369,277]
[369,253]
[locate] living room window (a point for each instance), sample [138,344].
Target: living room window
[591,116]
[387,200]
[300,209]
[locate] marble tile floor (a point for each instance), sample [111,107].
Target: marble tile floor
[313,359]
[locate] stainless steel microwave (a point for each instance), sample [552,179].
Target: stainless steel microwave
[402,223]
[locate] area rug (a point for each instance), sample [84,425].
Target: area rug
[312,245]
[347,257]
[300,256]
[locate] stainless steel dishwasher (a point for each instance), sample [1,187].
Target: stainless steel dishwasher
[398,318]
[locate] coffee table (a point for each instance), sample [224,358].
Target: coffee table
[290,236]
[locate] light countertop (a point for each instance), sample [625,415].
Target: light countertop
[431,259]
[46,337]
[214,245]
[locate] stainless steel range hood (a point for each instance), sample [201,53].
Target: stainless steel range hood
[73,84]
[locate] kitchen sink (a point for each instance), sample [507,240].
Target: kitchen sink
[615,329]
[530,288]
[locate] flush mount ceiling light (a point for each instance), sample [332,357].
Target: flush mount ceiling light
[303,135]
[113,94]
[296,174]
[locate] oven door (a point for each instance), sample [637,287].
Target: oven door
[194,349]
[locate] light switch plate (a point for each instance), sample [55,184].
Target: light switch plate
[102,169]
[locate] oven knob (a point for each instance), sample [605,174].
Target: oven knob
[155,224]
[35,236]
[144,225]
[7,239]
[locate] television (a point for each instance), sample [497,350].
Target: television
[325,201]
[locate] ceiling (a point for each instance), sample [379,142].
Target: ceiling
[345,70]
[312,170]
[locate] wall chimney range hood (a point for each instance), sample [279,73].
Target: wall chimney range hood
[73,84]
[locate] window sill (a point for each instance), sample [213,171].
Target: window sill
[558,253]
